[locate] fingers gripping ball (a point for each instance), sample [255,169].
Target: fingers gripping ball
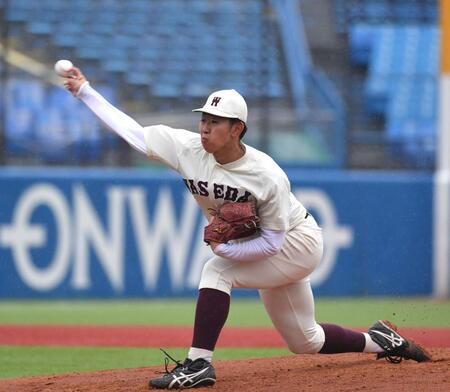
[232,221]
[63,67]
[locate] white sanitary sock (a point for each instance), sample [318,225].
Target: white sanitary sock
[195,353]
[371,346]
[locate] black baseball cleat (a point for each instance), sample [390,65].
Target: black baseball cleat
[396,347]
[189,374]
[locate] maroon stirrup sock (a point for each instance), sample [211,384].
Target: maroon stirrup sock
[341,340]
[210,316]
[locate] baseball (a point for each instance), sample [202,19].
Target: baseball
[62,67]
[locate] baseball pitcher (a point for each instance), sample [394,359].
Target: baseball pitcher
[261,235]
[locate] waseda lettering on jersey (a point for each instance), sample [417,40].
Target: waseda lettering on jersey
[203,188]
[192,187]
[231,193]
[220,191]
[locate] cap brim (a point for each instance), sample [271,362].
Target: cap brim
[215,112]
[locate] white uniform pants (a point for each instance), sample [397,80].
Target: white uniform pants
[283,284]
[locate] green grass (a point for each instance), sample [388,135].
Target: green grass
[24,361]
[408,312]
[180,312]
[344,311]
[33,361]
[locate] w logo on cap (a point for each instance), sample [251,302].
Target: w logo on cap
[215,101]
[225,103]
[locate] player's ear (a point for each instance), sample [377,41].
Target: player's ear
[237,127]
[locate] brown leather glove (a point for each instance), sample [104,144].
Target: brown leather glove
[232,221]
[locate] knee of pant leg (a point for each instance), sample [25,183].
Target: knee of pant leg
[213,277]
[309,343]
[305,348]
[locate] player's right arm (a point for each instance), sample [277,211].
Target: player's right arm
[113,118]
[268,243]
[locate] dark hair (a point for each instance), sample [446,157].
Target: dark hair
[236,120]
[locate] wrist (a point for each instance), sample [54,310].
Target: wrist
[214,245]
[219,248]
[81,88]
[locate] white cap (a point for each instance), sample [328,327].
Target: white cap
[225,103]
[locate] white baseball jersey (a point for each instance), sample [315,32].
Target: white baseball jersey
[255,176]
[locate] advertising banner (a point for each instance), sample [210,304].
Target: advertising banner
[94,233]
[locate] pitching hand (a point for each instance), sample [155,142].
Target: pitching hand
[212,244]
[74,81]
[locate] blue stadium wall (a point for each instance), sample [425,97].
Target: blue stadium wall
[133,233]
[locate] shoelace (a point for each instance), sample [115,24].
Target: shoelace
[390,357]
[394,358]
[166,362]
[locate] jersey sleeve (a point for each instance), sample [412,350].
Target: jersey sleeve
[267,244]
[167,144]
[275,204]
[113,118]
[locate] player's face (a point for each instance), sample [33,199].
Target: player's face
[217,133]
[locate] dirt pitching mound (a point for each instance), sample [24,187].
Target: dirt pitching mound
[343,372]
